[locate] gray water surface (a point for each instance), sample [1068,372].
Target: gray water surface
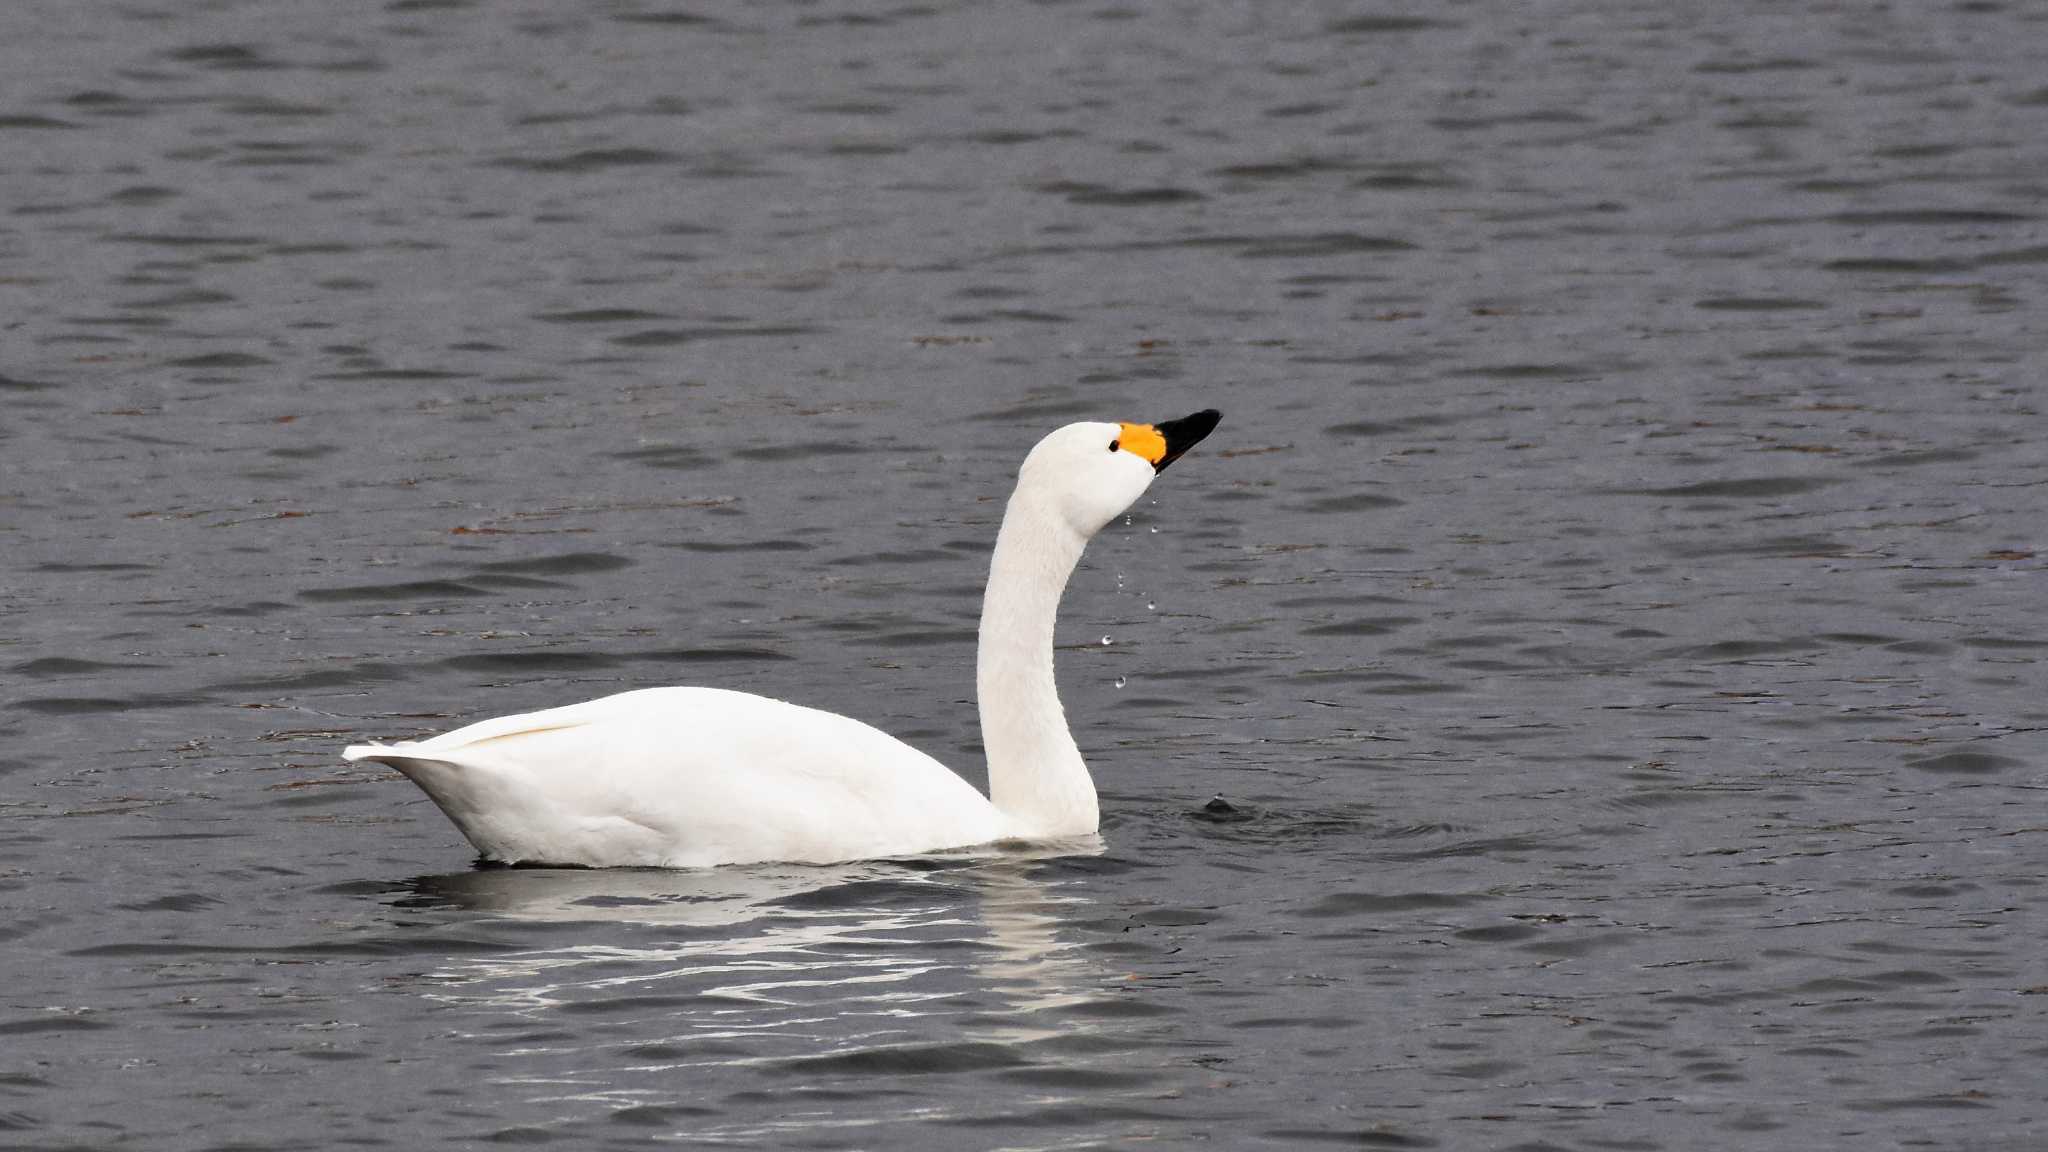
[1611,610]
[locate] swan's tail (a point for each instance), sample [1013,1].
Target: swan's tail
[406,758]
[402,757]
[462,792]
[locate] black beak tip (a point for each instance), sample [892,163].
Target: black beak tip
[1185,433]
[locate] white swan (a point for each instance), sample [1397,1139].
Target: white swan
[691,777]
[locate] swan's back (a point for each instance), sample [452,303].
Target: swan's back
[686,777]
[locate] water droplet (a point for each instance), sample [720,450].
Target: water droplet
[1155,531]
[1106,641]
[1127,521]
[1151,607]
[1119,681]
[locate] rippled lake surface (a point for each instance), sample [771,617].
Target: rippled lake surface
[1610,613]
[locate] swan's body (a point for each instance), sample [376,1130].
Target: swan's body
[682,777]
[686,777]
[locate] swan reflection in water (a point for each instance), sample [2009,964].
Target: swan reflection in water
[827,973]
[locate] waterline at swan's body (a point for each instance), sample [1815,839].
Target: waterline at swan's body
[684,777]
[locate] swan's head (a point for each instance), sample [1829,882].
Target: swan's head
[1091,472]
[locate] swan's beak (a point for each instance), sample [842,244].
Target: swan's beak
[1162,443]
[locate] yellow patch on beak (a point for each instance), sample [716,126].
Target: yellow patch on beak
[1144,440]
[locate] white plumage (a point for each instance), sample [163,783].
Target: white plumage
[679,777]
[688,777]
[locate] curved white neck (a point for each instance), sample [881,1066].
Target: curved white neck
[1036,777]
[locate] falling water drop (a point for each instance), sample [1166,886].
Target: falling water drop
[1155,531]
[1119,681]
[1106,641]
[1151,607]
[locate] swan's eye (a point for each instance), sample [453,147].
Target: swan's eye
[1115,444]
